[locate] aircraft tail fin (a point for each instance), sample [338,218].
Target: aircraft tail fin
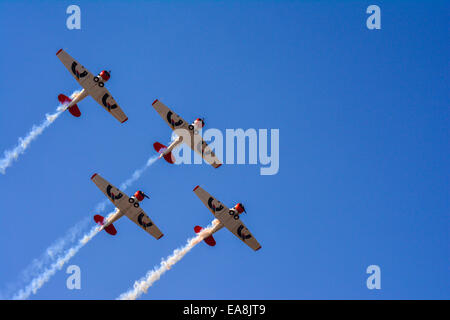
[110,228]
[160,148]
[210,241]
[74,110]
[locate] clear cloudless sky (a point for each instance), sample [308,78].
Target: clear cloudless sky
[364,145]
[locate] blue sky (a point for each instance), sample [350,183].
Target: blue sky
[364,145]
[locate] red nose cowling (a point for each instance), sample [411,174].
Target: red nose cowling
[201,122]
[139,195]
[239,207]
[105,75]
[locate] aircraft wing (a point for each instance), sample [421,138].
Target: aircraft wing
[79,72]
[105,99]
[119,199]
[127,205]
[171,118]
[196,142]
[138,216]
[227,217]
[201,147]
[92,85]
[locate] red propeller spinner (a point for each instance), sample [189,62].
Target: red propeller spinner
[105,75]
[139,195]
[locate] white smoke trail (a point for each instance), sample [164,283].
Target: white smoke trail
[142,285]
[22,145]
[40,275]
[138,173]
[45,276]
[50,254]
[127,183]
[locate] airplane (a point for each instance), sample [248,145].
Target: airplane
[228,218]
[196,142]
[128,206]
[92,85]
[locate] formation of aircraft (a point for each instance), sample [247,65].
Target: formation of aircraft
[93,86]
[188,133]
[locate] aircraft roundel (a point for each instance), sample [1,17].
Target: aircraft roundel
[76,72]
[106,104]
[172,121]
[241,234]
[112,195]
[213,206]
[142,223]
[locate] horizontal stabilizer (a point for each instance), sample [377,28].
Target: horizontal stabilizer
[73,109]
[210,241]
[110,229]
[160,148]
